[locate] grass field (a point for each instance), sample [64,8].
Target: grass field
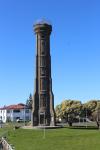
[56,139]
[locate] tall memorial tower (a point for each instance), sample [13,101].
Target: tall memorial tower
[43,98]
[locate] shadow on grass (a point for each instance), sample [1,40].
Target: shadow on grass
[84,127]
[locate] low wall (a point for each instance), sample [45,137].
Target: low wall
[5,145]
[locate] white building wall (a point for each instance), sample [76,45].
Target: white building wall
[3,115]
[10,115]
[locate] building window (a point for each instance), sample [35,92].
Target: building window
[27,111]
[8,111]
[16,110]
[43,36]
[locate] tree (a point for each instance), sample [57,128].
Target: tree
[58,112]
[96,114]
[72,110]
[29,101]
[69,109]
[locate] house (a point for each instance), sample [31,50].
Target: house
[14,112]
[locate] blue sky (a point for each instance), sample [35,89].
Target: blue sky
[75,48]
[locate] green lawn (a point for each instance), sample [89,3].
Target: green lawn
[56,139]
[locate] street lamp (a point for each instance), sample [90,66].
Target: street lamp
[24,115]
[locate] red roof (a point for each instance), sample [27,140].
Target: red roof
[18,106]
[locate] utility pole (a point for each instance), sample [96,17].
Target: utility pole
[24,115]
[86,117]
[44,126]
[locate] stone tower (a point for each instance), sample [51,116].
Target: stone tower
[43,99]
